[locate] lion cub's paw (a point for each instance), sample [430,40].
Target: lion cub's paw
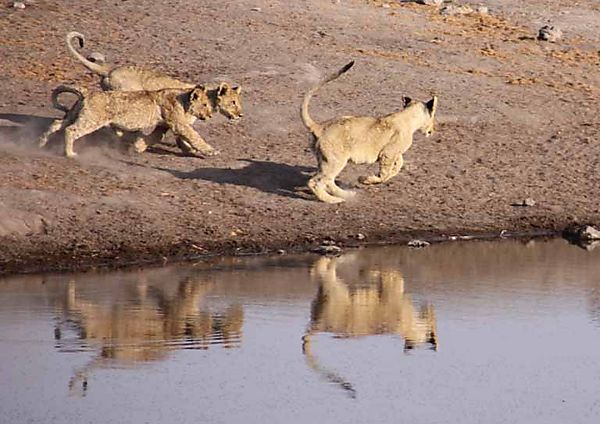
[209,153]
[370,179]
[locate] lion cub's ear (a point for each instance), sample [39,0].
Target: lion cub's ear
[406,101]
[432,105]
[237,89]
[223,88]
[197,92]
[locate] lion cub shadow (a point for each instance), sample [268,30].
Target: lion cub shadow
[271,177]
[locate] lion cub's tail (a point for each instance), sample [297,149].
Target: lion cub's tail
[65,89]
[96,68]
[313,126]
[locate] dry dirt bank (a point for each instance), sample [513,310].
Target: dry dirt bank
[518,119]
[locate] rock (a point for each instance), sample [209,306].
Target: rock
[18,5]
[549,33]
[482,10]
[525,202]
[96,57]
[429,2]
[589,233]
[418,244]
[281,252]
[326,249]
[360,236]
[452,10]
[256,9]
[582,235]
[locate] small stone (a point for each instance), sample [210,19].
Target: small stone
[549,33]
[256,9]
[328,250]
[418,244]
[482,10]
[429,2]
[452,10]
[525,202]
[281,252]
[96,57]
[589,233]
[385,5]
[18,5]
[360,236]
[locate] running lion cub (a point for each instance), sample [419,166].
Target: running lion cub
[363,139]
[224,98]
[135,112]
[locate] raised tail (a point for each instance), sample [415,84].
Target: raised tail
[65,89]
[96,68]
[314,127]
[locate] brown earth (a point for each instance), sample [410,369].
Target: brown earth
[518,118]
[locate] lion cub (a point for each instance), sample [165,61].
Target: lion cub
[224,98]
[363,139]
[136,111]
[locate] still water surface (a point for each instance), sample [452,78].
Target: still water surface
[457,333]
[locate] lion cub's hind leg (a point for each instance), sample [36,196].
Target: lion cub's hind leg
[389,166]
[322,184]
[142,142]
[81,127]
[54,127]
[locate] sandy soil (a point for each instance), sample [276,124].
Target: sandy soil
[518,118]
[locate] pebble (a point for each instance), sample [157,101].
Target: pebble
[589,233]
[525,202]
[325,249]
[18,5]
[256,9]
[429,2]
[452,10]
[418,244]
[549,33]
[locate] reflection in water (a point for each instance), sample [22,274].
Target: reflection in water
[377,305]
[142,326]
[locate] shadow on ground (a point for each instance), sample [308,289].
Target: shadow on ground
[270,177]
[25,130]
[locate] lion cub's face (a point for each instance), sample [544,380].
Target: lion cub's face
[200,105]
[229,101]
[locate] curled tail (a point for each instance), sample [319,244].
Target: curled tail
[65,89]
[96,68]
[313,126]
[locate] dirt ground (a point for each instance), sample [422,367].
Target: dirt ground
[518,118]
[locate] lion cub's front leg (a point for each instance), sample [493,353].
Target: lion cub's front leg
[192,139]
[389,166]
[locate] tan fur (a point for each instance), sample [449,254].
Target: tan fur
[224,98]
[124,336]
[162,110]
[378,305]
[363,139]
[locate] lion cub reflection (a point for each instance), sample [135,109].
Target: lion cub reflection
[378,306]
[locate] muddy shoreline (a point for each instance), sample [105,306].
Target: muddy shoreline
[518,119]
[42,262]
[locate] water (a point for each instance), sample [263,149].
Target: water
[458,333]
